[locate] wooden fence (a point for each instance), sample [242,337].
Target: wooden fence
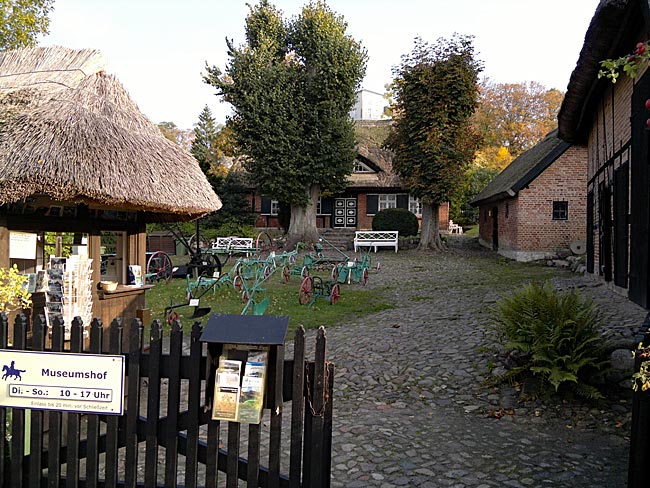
[169,439]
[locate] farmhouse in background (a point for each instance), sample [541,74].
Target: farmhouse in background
[536,206]
[611,119]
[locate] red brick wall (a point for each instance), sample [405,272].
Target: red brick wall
[526,222]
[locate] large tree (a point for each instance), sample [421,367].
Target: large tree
[22,21]
[292,85]
[435,94]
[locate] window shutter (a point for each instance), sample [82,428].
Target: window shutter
[326,206]
[403,201]
[372,204]
[266,206]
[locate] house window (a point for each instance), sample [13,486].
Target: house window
[415,206]
[275,207]
[387,201]
[359,167]
[560,210]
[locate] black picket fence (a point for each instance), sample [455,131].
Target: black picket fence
[169,440]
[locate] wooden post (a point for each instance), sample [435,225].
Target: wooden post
[4,243]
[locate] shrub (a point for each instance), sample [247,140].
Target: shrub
[399,219]
[555,336]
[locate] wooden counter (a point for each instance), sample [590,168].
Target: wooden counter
[124,302]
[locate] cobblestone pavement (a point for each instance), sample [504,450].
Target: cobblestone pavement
[410,405]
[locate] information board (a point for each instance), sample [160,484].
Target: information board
[88,383]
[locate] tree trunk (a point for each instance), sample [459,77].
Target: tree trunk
[430,230]
[302,227]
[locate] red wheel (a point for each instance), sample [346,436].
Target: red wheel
[365,276]
[335,294]
[172,317]
[236,269]
[286,274]
[304,272]
[237,283]
[159,267]
[335,273]
[266,272]
[306,291]
[244,296]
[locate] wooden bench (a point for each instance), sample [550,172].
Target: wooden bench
[233,245]
[375,239]
[455,228]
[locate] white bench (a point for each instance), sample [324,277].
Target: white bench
[233,244]
[455,228]
[375,239]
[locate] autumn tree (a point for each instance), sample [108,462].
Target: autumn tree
[515,116]
[182,137]
[435,91]
[22,21]
[292,85]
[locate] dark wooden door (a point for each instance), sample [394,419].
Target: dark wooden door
[345,212]
[495,228]
[621,196]
[640,201]
[605,248]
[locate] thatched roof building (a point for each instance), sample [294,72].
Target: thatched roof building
[71,132]
[603,38]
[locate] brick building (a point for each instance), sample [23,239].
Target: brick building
[610,118]
[372,186]
[536,206]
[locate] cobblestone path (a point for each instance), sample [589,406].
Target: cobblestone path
[410,406]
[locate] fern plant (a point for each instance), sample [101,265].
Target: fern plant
[556,334]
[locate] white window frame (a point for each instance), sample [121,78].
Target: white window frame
[386,200]
[415,206]
[360,167]
[275,207]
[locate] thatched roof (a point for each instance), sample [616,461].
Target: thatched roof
[523,170]
[378,159]
[607,36]
[70,131]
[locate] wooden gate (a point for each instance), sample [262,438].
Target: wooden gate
[168,439]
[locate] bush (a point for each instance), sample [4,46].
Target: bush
[399,219]
[555,336]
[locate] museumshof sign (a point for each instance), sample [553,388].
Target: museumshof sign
[88,383]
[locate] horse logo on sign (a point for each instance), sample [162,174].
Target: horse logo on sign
[12,371]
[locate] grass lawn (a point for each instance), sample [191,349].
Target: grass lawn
[355,301]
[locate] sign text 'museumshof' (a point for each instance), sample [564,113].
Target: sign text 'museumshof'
[89,383]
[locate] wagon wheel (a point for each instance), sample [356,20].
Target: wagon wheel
[335,294]
[365,277]
[304,272]
[306,291]
[266,272]
[244,296]
[159,267]
[263,245]
[335,273]
[237,283]
[286,274]
[206,264]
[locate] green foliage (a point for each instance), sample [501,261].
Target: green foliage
[556,334]
[22,21]
[399,219]
[436,92]
[475,180]
[208,149]
[13,290]
[630,64]
[292,85]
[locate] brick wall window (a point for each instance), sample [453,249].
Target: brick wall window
[275,207]
[387,201]
[560,210]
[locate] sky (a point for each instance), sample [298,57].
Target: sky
[159,49]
